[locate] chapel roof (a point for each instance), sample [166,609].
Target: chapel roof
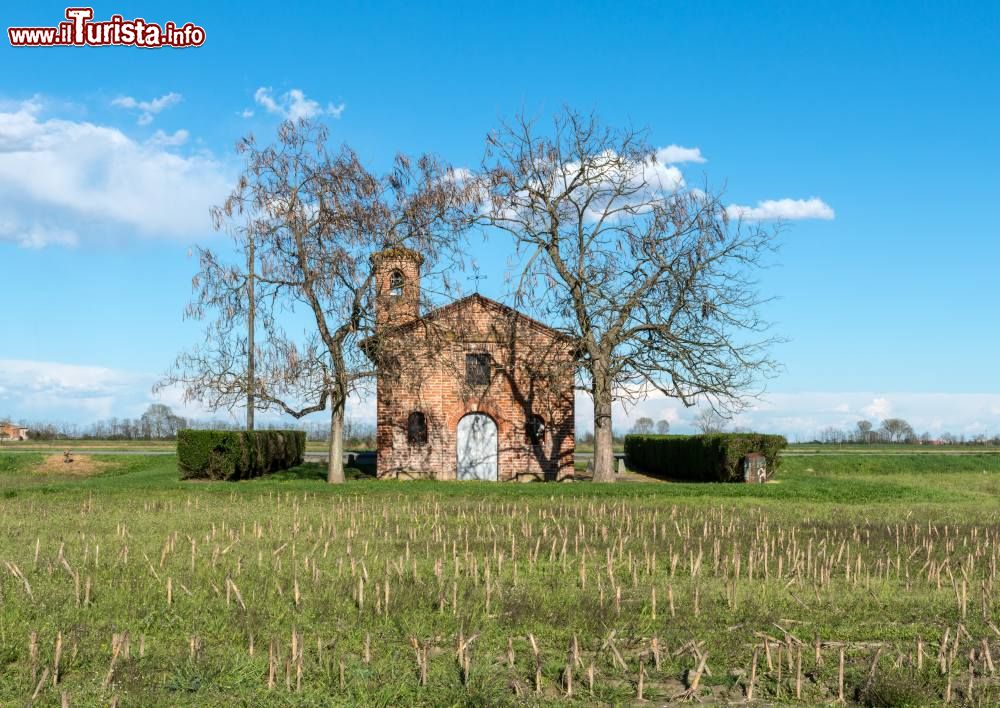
[459,305]
[476,298]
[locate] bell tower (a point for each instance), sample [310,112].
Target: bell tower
[397,286]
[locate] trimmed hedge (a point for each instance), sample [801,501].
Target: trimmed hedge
[226,454]
[715,457]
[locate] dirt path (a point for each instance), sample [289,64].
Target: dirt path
[81,466]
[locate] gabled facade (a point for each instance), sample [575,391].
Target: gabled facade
[472,390]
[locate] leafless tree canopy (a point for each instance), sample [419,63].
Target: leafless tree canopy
[651,280]
[314,220]
[643,426]
[651,277]
[214,371]
[897,429]
[708,421]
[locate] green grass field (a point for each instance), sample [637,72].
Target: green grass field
[60,445]
[889,449]
[132,586]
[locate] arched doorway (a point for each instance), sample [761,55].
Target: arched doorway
[477,447]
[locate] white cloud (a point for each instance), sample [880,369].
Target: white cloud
[660,177]
[293,105]
[148,108]
[675,155]
[619,186]
[671,415]
[62,379]
[666,178]
[37,236]
[246,113]
[783,209]
[879,408]
[44,391]
[263,97]
[62,180]
[160,138]
[459,174]
[54,392]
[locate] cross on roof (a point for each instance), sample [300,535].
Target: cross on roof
[477,276]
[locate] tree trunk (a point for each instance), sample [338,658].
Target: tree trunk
[604,457]
[335,468]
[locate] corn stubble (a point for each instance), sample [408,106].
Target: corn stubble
[439,598]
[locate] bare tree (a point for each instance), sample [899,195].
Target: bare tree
[160,422]
[315,220]
[864,431]
[219,371]
[643,426]
[897,429]
[662,427]
[709,421]
[653,280]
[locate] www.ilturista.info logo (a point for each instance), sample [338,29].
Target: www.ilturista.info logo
[81,31]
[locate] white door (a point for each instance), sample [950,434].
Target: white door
[477,447]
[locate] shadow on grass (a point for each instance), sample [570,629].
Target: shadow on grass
[316,471]
[820,481]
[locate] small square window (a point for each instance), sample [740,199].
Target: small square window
[477,369]
[536,430]
[416,428]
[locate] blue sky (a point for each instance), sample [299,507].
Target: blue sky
[885,113]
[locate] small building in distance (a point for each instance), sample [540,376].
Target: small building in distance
[10,431]
[472,390]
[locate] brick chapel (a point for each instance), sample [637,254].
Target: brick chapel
[473,390]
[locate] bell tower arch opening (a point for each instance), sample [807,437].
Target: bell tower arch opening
[397,286]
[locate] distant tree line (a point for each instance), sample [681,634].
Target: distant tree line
[889,431]
[642,426]
[646,426]
[587,437]
[896,431]
[160,423]
[707,421]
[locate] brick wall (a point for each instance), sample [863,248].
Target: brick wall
[422,368]
[397,306]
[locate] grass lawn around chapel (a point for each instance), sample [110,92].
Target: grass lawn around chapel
[285,590]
